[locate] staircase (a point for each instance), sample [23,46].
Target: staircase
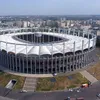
[30,84]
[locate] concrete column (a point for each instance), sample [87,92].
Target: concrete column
[52,65]
[9,61]
[2,58]
[59,64]
[86,59]
[13,65]
[75,65]
[19,64]
[93,43]
[63,56]
[47,65]
[56,65]
[35,60]
[15,57]
[44,66]
[26,59]
[66,64]
[31,64]
[82,45]
[70,62]
[23,64]
[39,58]
[78,66]
[81,59]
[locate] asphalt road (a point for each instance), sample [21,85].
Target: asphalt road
[4,98]
[87,93]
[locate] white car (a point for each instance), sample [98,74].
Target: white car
[78,90]
[98,95]
[71,90]
[23,91]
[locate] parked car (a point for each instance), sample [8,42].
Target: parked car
[85,85]
[70,90]
[78,90]
[98,95]
[23,91]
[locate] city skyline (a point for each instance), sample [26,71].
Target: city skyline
[49,7]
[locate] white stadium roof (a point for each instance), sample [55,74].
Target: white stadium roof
[18,47]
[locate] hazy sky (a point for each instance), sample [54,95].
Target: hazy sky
[49,7]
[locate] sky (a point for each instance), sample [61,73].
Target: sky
[49,7]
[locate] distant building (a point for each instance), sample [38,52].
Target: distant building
[86,27]
[98,22]
[26,24]
[98,33]
[18,23]
[63,24]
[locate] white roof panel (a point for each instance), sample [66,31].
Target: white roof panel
[44,50]
[34,50]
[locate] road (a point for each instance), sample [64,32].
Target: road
[87,93]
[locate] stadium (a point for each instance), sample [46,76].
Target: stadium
[46,50]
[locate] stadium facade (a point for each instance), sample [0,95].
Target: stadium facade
[46,50]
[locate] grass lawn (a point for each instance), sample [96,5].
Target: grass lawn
[62,82]
[5,78]
[95,70]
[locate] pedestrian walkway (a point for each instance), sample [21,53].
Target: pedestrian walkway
[88,76]
[30,84]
